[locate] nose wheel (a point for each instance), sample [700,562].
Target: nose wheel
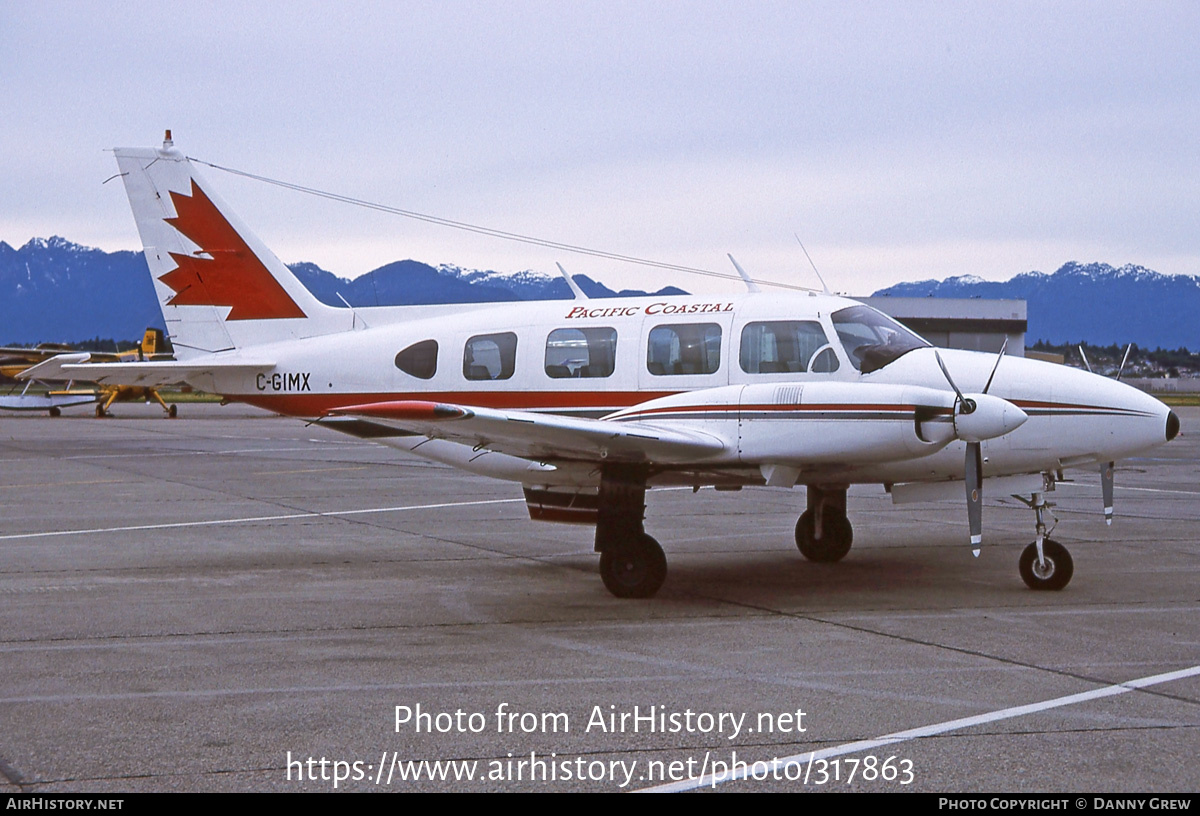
[1051,571]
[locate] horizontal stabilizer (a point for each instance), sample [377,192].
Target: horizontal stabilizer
[542,437]
[43,402]
[66,367]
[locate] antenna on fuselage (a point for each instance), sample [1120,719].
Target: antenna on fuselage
[750,284]
[824,285]
[579,295]
[354,318]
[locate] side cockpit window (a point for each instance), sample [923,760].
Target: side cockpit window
[585,352]
[786,347]
[872,339]
[490,356]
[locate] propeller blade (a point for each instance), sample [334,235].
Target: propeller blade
[949,379]
[999,357]
[1106,485]
[1085,359]
[974,480]
[1124,360]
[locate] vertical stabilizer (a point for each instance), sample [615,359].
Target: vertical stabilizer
[218,285]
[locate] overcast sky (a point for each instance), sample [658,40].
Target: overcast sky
[900,140]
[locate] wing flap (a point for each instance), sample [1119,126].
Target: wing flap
[543,437]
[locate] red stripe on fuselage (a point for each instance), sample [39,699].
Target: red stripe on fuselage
[309,405]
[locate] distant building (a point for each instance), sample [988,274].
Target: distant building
[975,323]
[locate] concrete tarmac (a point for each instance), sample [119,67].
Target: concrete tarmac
[232,601]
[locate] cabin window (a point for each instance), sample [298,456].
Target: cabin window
[490,356]
[786,347]
[689,348]
[589,352]
[419,359]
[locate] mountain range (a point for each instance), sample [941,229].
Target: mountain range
[54,290]
[1094,303]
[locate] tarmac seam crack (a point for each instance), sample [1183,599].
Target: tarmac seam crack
[964,651]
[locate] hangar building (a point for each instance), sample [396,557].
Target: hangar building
[964,323]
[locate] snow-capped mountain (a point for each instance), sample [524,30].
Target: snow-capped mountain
[57,291]
[1095,302]
[53,290]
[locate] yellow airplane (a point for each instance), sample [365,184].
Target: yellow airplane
[13,361]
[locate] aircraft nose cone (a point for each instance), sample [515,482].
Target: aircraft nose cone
[1172,425]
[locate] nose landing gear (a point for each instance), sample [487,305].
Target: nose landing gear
[1045,564]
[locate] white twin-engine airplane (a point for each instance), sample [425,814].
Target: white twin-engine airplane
[588,403]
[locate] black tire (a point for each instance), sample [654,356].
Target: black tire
[635,570]
[837,535]
[1057,571]
[172,411]
[55,411]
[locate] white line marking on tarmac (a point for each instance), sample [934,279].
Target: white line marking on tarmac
[251,519]
[1127,487]
[777,765]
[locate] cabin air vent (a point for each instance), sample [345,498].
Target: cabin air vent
[788,394]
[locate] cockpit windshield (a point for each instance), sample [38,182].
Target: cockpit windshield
[872,339]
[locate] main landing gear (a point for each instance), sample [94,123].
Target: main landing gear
[823,533]
[632,564]
[1045,564]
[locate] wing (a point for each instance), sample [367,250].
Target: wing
[543,437]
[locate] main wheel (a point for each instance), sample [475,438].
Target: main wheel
[55,412]
[836,536]
[634,570]
[173,411]
[1055,573]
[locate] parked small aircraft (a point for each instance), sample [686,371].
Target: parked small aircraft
[15,361]
[589,403]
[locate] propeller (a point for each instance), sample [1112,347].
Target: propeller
[1106,468]
[1106,488]
[1124,360]
[976,418]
